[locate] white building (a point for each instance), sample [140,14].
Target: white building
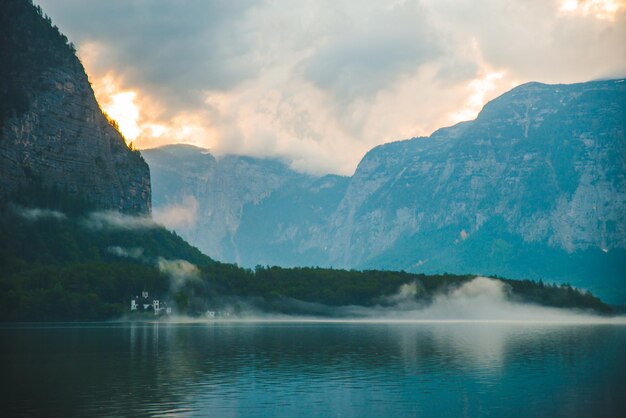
[137,303]
[155,306]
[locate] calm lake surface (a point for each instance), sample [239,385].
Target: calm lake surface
[313,369]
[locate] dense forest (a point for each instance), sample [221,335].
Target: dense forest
[67,262]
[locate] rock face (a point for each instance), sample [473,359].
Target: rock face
[545,163]
[52,129]
[240,204]
[535,187]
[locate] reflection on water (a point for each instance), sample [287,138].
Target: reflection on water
[313,369]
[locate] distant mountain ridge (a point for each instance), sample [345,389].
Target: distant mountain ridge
[534,187]
[52,130]
[227,190]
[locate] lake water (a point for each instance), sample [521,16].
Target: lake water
[314,369]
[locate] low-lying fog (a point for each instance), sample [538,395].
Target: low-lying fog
[481,299]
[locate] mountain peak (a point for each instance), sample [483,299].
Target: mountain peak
[535,100]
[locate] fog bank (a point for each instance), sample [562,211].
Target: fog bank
[479,300]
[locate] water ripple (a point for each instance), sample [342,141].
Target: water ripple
[313,369]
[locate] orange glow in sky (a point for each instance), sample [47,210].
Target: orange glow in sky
[123,109]
[120,105]
[478,90]
[138,121]
[138,115]
[601,9]
[324,89]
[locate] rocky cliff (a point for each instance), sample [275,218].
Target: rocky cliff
[535,187]
[545,163]
[241,205]
[52,129]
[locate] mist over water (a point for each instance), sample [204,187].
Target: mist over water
[482,299]
[479,299]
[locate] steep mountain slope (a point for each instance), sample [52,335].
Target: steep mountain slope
[52,130]
[287,228]
[242,205]
[534,187]
[547,162]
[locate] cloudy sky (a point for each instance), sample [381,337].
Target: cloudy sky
[319,83]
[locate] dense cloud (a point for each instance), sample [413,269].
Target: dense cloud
[319,83]
[370,48]
[175,50]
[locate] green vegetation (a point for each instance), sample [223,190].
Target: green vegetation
[58,269]
[367,288]
[55,267]
[490,251]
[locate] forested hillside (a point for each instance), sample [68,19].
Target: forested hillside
[64,261]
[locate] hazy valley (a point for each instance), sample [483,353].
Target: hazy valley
[533,188]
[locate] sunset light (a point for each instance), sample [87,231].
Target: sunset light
[479,90]
[600,9]
[121,105]
[122,108]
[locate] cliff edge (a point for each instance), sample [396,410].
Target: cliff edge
[52,130]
